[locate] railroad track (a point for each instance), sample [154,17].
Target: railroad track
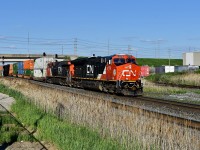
[193,107]
[176,85]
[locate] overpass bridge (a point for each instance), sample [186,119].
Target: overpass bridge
[11,58]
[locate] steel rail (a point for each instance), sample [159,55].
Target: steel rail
[177,85]
[172,103]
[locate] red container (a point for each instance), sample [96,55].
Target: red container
[144,71]
[1,68]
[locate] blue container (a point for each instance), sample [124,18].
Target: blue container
[20,68]
[181,68]
[160,69]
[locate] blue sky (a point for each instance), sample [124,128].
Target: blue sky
[147,28]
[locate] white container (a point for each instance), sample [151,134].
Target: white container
[169,69]
[40,67]
[164,69]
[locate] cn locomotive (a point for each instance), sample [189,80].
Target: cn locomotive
[117,74]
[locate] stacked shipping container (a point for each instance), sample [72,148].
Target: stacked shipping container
[6,70]
[1,71]
[11,70]
[164,69]
[40,67]
[15,69]
[20,68]
[28,68]
[145,71]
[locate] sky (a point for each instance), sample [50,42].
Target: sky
[143,28]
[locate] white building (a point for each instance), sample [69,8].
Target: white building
[191,58]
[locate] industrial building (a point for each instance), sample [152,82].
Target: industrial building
[191,58]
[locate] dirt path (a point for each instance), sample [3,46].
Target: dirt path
[6,101]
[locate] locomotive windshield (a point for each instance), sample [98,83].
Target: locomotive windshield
[131,60]
[119,61]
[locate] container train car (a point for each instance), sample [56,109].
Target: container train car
[114,74]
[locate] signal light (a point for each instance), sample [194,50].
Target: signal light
[44,54]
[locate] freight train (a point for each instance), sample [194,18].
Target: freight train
[117,74]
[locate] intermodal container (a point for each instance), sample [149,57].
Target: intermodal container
[164,69]
[11,70]
[15,68]
[144,71]
[193,68]
[28,72]
[169,69]
[181,68]
[20,68]
[6,70]
[1,71]
[40,67]
[152,70]
[160,69]
[29,64]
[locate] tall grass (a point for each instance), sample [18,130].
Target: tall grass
[176,78]
[11,131]
[133,130]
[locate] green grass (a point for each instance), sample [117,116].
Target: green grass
[11,131]
[63,134]
[159,62]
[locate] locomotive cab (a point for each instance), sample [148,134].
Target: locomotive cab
[124,70]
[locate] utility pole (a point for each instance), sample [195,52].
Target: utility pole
[129,49]
[28,46]
[62,49]
[108,47]
[169,50]
[75,46]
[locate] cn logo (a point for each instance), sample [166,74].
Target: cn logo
[90,69]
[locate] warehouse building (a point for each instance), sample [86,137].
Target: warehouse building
[191,58]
